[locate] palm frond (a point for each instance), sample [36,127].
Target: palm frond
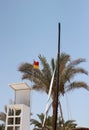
[76,62]
[46,70]
[2,116]
[74,85]
[34,75]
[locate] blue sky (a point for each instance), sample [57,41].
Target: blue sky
[29,28]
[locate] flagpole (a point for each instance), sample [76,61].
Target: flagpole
[57,87]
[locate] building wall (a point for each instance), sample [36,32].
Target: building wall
[25,118]
[20,117]
[81,128]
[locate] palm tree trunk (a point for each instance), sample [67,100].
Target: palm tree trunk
[61,112]
[54,111]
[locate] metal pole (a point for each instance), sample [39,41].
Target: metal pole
[58,67]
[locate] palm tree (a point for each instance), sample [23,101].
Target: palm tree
[1,127]
[38,123]
[69,125]
[41,77]
[3,115]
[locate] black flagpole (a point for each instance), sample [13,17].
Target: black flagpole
[57,88]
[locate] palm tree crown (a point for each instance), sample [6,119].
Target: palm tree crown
[69,124]
[41,77]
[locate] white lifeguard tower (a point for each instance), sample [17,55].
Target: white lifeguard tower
[18,113]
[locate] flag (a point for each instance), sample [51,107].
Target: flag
[36,65]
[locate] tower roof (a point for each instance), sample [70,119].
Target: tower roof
[19,86]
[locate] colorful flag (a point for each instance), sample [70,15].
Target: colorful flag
[36,65]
